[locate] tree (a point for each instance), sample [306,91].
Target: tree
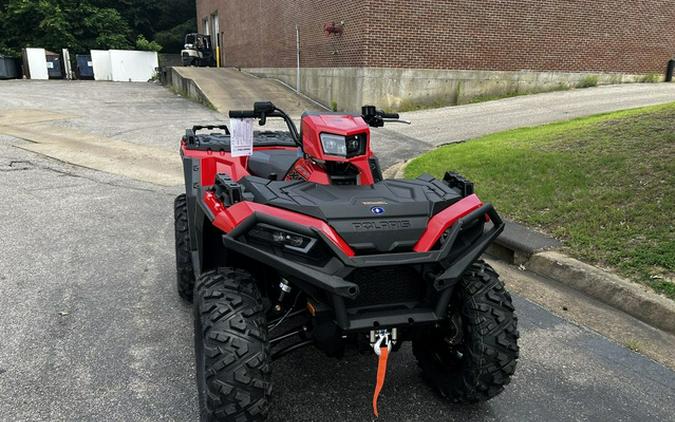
[81,25]
[140,15]
[165,22]
[143,44]
[173,39]
[56,24]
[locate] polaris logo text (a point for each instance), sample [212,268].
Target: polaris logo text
[381,225]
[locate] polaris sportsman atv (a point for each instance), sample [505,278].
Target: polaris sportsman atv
[302,243]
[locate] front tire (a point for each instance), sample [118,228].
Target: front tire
[472,356]
[231,347]
[185,275]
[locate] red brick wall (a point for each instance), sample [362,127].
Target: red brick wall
[546,35]
[261,33]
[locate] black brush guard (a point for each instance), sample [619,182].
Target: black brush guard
[332,278]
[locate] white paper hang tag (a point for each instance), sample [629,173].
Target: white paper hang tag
[241,137]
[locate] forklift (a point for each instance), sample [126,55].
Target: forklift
[198,51]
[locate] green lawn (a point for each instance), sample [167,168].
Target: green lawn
[604,185]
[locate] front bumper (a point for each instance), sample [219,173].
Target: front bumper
[331,280]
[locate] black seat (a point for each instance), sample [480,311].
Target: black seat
[277,162]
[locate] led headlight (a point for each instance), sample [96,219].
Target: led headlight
[343,146]
[334,144]
[277,236]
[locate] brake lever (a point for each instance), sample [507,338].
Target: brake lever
[407,122]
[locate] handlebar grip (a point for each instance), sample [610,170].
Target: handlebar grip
[390,115]
[242,114]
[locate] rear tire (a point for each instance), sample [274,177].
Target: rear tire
[185,275]
[472,359]
[231,347]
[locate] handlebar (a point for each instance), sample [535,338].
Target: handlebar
[377,118]
[263,110]
[243,114]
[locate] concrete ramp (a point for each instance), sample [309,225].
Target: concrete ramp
[229,89]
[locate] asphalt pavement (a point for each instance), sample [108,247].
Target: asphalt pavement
[91,327]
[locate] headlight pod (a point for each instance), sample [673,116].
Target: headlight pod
[281,237]
[334,144]
[343,146]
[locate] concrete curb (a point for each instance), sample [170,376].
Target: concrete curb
[396,171]
[187,87]
[606,287]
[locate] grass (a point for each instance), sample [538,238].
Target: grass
[409,104]
[587,82]
[651,78]
[634,345]
[604,185]
[416,104]
[451,100]
[515,93]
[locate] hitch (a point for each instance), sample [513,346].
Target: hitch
[377,337]
[382,341]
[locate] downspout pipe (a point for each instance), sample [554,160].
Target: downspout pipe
[297,59]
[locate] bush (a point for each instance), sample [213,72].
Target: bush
[143,44]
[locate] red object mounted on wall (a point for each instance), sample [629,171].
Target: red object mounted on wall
[332,28]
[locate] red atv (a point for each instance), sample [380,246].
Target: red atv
[303,243]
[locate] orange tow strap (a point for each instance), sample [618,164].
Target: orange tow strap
[381,373]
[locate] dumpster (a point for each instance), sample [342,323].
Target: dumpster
[54,68]
[85,67]
[9,68]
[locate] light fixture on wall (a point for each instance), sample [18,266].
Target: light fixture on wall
[333,28]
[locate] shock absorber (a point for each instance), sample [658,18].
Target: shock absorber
[284,290]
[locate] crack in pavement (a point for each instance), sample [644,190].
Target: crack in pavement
[34,166]
[156,165]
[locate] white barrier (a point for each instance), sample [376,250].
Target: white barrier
[100,60]
[133,66]
[124,65]
[37,63]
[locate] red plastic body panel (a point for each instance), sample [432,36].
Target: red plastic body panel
[313,125]
[307,169]
[444,219]
[214,162]
[227,218]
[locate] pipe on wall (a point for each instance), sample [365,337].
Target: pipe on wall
[297,57]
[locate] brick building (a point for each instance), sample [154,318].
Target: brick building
[401,52]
